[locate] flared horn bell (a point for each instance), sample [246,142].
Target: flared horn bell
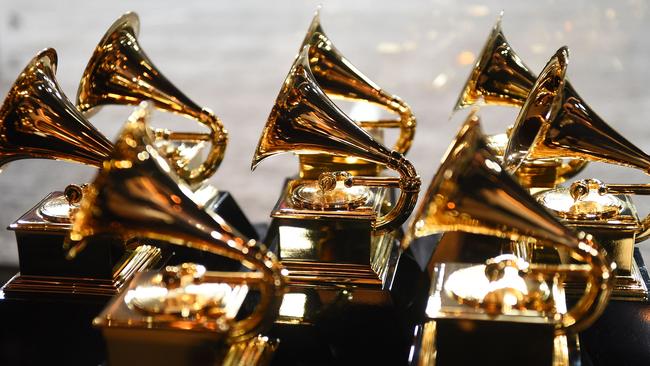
[472,193]
[499,76]
[338,78]
[138,195]
[556,123]
[119,72]
[38,121]
[305,121]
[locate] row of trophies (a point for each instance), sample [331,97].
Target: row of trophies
[182,278]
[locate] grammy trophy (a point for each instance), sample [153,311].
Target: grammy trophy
[501,78]
[119,72]
[183,310]
[475,307]
[555,122]
[38,121]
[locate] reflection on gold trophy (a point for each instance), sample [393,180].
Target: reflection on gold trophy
[339,79]
[38,121]
[185,311]
[119,72]
[506,300]
[555,123]
[500,77]
[332,232]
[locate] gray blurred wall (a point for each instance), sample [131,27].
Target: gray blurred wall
[232,56]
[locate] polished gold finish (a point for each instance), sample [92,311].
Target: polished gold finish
[500,77]
[119,72]
[38,121]
[182,316]
[574,203]
[305,121]
[537,174]
[555,123]
[474,308]
[614,223]
[339,79]
[138,195]
[472,193]
[141,258]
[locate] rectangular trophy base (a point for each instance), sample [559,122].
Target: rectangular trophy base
[139,259]
[478,342]
[145,347]
[632,287]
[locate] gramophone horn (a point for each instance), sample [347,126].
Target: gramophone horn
[338,78]
[38,121]
[138,195]
[305,121]
[472,193]
[555,123]
[119,72]
[499,76]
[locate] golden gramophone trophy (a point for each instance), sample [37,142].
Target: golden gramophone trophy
[500,77]
[38,121]
[505,311]
[340,80]
[119,72]
[554,122]
[333,232]
[330,231]
[183,315]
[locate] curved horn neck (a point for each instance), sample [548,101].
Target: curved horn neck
[38,121]
[137,195]
[499,76]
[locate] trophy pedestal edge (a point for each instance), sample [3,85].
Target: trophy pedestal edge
[142,258]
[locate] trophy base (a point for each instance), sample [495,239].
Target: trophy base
[139,259]
[43,331]
[375,274]
[476,342]
[632,287]
[128,346]
[100,270]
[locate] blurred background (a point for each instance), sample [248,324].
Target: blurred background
[232,56]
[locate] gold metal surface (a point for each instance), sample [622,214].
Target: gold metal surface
[593,205]
[471,192]
[500,77]
[503,298]
[141,258]
[137,194]
[119,72]
[502,285]
[305,121]
[195,331]
[612,220]
[38,121]
[556,123]
[339,79]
